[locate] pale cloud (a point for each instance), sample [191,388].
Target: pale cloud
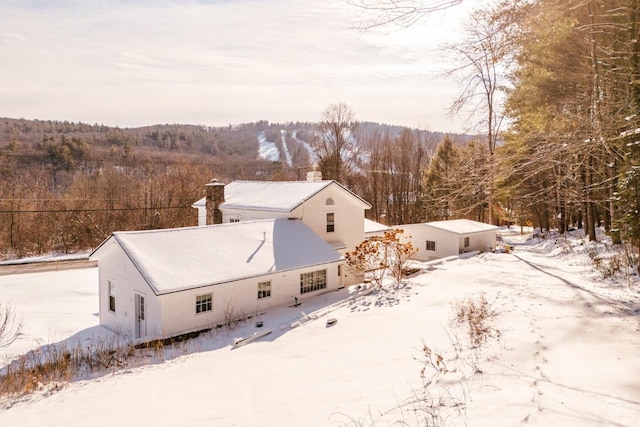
[216,62]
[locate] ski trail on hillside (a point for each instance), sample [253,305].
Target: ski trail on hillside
[267,149]
[287,154]
[307,146]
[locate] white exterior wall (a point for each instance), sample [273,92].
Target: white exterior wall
[349,216]
[480,241]
[173,314]
[349,222]
[202,216]
[448,243]
[114,265]
[179,313]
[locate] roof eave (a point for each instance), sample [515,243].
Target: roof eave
[148,280]
[255,208]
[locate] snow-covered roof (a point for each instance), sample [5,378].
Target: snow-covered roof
[462,226]
[283,196]
[176,259]
[374,227]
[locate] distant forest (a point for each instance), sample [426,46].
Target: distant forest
[65,187]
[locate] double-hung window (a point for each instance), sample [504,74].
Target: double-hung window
[331,222]
[431,245]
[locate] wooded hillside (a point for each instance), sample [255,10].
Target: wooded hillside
[65,186]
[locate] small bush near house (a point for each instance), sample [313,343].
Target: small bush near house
[379,256]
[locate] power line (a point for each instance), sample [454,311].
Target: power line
[93,199]
[91,210]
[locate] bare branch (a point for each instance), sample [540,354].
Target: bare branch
[399,13]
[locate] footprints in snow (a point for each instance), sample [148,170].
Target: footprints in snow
[539,360]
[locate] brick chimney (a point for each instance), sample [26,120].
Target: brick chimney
[215,197]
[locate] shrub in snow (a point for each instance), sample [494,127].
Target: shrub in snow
[377,256]
[476,314]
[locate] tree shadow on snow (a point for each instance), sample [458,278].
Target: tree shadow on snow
[623,308]
[618,407]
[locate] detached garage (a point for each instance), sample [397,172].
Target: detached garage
[163,283]
[441,239]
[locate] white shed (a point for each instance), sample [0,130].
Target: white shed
[441,239]
[164,283]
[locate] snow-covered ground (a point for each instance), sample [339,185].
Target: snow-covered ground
[566,355]
[267,149]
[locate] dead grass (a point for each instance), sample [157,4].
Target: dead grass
[476,314]
[57,363]
[54,365]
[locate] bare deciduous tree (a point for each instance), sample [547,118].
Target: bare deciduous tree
[399,250]
[392,175]
[335,143]
[480,72]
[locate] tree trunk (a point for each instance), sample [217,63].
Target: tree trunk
[588,203]
[559,210]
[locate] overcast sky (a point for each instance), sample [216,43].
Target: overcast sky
[218,62]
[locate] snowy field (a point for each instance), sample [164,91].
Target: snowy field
[566,354]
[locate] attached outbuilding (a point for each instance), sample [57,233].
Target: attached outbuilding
[439,239]
[164,283]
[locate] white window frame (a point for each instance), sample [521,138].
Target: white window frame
[204,303]
[313,281]
[466,242]
[264,289]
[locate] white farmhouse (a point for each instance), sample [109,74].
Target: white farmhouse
[439,239]
[164,283]
[329,209]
